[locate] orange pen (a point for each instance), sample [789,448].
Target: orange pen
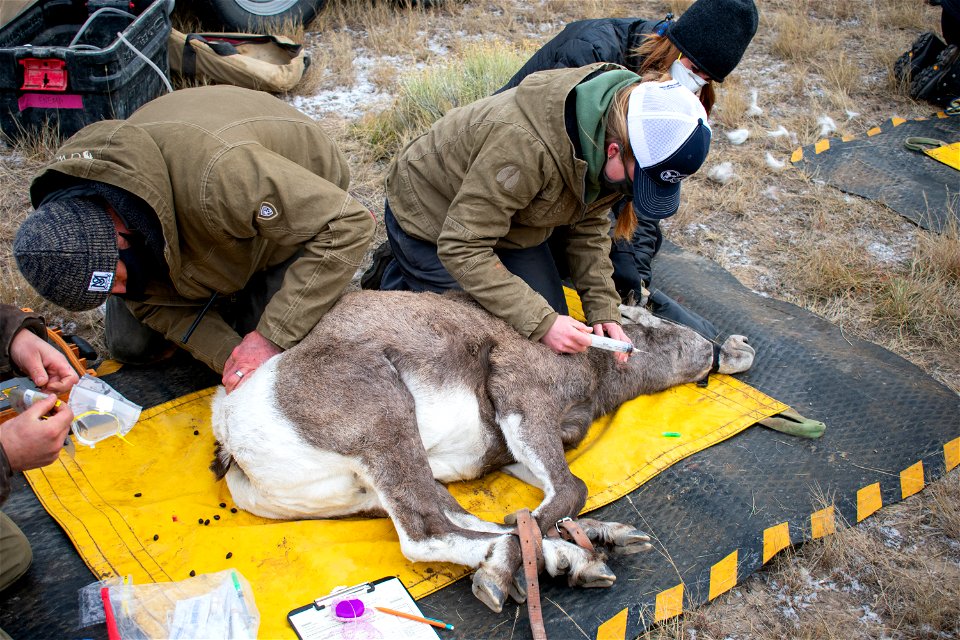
[410,616]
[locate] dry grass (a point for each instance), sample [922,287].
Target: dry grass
[800,39]
[780,232]
[425,96]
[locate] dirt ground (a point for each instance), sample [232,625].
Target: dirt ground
[816,68]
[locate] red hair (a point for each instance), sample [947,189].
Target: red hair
[657,54]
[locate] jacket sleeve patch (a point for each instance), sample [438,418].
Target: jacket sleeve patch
[509,176]
[267,211]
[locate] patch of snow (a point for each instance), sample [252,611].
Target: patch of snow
[882,252]
[436,46]
[891,537]
[790,614]
[869,616]
[349,102]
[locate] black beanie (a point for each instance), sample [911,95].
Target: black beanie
[715,33]
[67,250]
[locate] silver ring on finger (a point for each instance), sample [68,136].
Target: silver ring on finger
[238,373]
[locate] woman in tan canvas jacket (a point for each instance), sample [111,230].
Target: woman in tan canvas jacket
[472,202]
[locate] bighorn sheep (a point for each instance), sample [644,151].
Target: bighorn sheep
[394,393]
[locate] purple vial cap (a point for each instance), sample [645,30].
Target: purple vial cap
[349,609]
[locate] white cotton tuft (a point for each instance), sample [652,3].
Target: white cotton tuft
[722,173]
[754,109]
[827,125]
[779,132]
[773,163]
[738,136]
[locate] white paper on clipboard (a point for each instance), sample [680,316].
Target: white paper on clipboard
[316,621]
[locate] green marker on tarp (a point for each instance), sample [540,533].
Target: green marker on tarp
[670,434]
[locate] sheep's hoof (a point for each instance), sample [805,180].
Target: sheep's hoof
[518,587]
[634,542]
[595,575]
[488,591]
[621,539]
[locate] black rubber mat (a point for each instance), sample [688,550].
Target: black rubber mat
[877,166]
[883,416]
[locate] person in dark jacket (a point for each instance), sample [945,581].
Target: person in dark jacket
[28,441]
[703,46]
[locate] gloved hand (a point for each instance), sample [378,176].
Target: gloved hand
[643,295]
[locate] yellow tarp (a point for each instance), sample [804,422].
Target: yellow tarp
[142,509]
[152,510]
[948,154]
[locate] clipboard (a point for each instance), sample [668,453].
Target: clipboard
[315,621]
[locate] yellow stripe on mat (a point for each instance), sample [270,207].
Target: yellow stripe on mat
[153,510]
[869,501]
[615,628]
[911,480]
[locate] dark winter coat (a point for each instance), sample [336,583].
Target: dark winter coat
[587,41]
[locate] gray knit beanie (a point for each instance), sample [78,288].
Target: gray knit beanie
[67,250]
[714,34]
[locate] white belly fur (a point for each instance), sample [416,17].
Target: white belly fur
[280,475]
[450,428]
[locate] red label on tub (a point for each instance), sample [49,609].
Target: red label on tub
[50,101]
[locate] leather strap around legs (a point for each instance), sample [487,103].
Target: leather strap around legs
[531,552]
[569,530]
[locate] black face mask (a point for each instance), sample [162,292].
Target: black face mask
[624,186]
[141,267]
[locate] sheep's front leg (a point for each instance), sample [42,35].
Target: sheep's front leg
[540,450]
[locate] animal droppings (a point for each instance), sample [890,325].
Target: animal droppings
[155,537]
[200,521]
[206,522]
[223,505]
[216,517]
[137,495]
[233,509]
[195,432]
[192,573]
[229,554]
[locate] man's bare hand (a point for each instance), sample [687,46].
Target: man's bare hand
[252,352]
[567,336]
[29,441]
[47,367]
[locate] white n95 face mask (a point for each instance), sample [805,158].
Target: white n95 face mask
[686,78]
